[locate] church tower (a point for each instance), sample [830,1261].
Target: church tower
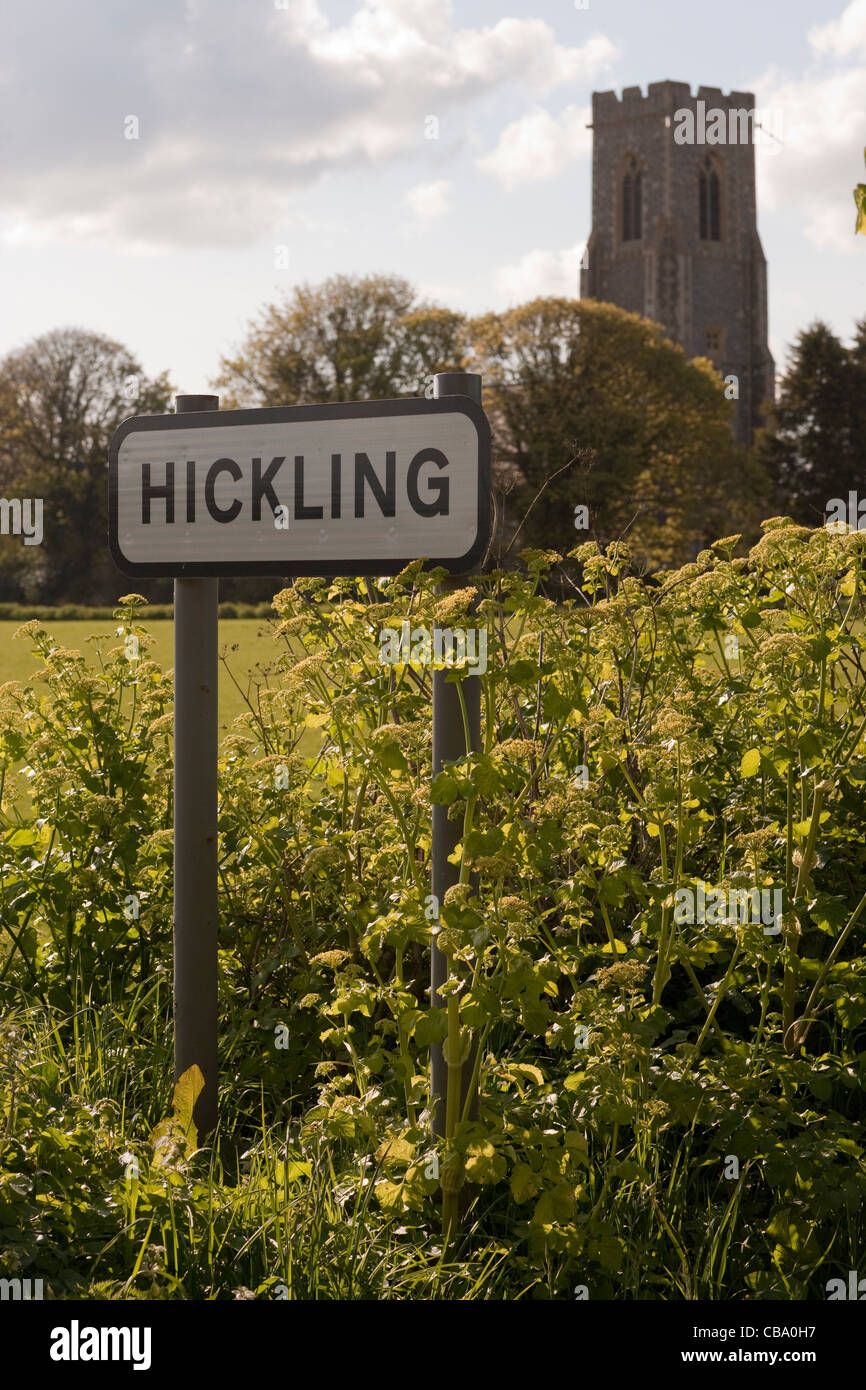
[674,227]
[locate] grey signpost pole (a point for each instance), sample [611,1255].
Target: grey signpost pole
[448,744]
[195,825]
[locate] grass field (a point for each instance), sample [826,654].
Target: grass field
[246,643]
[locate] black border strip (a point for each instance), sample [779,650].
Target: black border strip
[276,415]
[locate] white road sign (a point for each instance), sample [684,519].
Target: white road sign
[360,488]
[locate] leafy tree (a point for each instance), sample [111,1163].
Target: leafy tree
[592,406]
[860,204]
[347,339]
[814,446]
[61,398]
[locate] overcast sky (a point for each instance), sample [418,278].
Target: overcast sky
[305,125]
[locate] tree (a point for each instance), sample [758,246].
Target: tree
[61,398]
[814,447]
[599,400]
[860,204]
[348,339]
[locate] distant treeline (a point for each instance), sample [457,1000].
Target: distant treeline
[602,428]
[45,612]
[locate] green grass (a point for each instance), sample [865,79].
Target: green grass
[262,1212]
[246,643]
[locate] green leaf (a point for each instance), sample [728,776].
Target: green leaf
[444,789]
[296,1169]
[431,1027]
[20,838]
[391,755]
[750,762]
[609,1250]
[172,1138]
[793,1232]
[483,1164]
[860,204]
[556,1204]
[821,1085]
[389,1195]
[850,1011]
[576,1143]
[393,1151]
[524,1183]
[186,1092]
[829,913]
[485,777]
[527,1070]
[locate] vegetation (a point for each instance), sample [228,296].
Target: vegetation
[61,399]
[81,612]
[245,649]
[348,339]
[815,446]
[600,401]
[585,394]
[601,426]
[668,1108]
[860,203]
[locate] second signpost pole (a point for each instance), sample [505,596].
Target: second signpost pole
[196,913]
[449,743]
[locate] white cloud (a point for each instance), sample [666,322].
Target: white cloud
[527,48]
[843,36]
[540,273]
[539,146]
[238,106]
[428,201]
[437,292]
[832,229]
[811,178]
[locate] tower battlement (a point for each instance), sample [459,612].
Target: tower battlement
[662,98]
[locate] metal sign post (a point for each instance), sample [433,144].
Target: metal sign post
[449,743]
[196,911]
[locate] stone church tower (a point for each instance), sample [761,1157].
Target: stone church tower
[674,227]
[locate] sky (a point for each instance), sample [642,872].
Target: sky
[168,169]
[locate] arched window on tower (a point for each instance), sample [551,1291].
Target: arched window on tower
[709,203]
[632,202]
